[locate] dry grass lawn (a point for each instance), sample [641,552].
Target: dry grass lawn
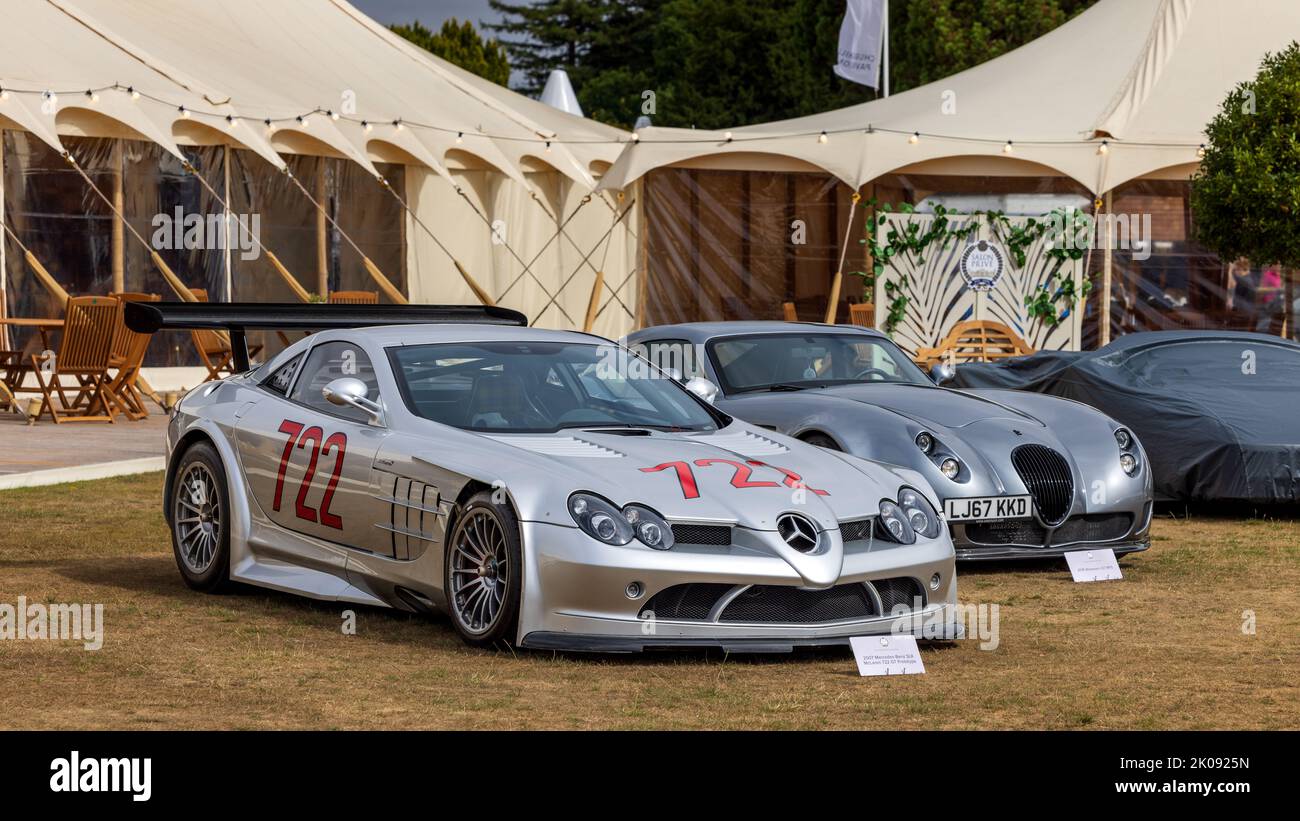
[1163,648]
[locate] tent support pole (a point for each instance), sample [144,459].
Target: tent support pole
[833,303]
[1106,275]
[385,284]
[118,243]
[642,254]
[322,234]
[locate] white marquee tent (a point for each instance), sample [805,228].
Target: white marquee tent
[500,183]
[1143,76]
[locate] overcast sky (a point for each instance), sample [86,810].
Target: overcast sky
[429,12]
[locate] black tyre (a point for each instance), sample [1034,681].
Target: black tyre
[821,440]
[483,572]
[200,519]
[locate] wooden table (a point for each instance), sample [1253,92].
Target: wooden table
[42,325]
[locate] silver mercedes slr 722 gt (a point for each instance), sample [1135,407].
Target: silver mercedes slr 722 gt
[538,486]
[1020,474]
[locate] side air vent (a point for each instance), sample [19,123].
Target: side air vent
[711,535]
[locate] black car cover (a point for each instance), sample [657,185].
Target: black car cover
[1217,412]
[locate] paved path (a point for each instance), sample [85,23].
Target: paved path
[44,446]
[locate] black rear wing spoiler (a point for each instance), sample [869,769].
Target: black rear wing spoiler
[236,318]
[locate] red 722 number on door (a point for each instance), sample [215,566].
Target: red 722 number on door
[313,441]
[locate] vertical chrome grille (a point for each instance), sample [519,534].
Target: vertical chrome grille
[1047,476]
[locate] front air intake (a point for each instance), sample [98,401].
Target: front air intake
[1047,476]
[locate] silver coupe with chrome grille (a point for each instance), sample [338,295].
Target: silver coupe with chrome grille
[540,487]
[1020,474]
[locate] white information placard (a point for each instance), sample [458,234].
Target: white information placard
[1093,565]
[887,655]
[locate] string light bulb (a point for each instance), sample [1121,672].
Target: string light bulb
[231,122]
[1200,152]
[822,138]
[727,136]
[636,138]
[302,122]
[334,115]
[548,146]
[4,95]
[1007,149]
[1104,148]
[92,96]
[460,137]
[915,138]
[366,125]
[135,95]
[397,124]
[185,112]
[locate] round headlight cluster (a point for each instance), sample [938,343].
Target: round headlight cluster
[911,516]
[950,467]
[920,515]
[925,442]
[606,523]
[1128,457]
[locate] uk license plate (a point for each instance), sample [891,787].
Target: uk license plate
[978,508]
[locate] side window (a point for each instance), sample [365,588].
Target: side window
[280,381]
[671,353]
[330,361]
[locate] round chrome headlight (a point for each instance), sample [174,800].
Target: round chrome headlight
[1129,463]
[920,515]
[600,520]
[925,442]
[649,527]
[894,521]
[1123,438]
[950,467]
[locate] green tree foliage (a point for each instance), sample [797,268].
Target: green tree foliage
[933,39]
[720,63]
[550,34]
[461,44]
[1246,195]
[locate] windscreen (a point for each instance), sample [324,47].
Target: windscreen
[531,387]
[767,361]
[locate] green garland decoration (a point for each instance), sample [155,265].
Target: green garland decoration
[1050,303]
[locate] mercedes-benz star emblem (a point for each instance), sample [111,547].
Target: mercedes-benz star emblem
[798,531]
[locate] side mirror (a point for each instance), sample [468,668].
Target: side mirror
[351,392]
[704,389]
[941,372]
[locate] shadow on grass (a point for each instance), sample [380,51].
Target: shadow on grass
[156,577]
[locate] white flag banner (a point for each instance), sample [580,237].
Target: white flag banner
[859,54]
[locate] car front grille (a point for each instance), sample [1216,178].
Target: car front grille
[899,592]
[790,605]
[781,604]
[715,535]
[688,602]
[1096,527]
[856,531]
[1047,476]
[1093,527]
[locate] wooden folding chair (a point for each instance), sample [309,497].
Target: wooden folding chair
[354,297]
[862,313]
[88,328]
[127,357]
[214,347]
